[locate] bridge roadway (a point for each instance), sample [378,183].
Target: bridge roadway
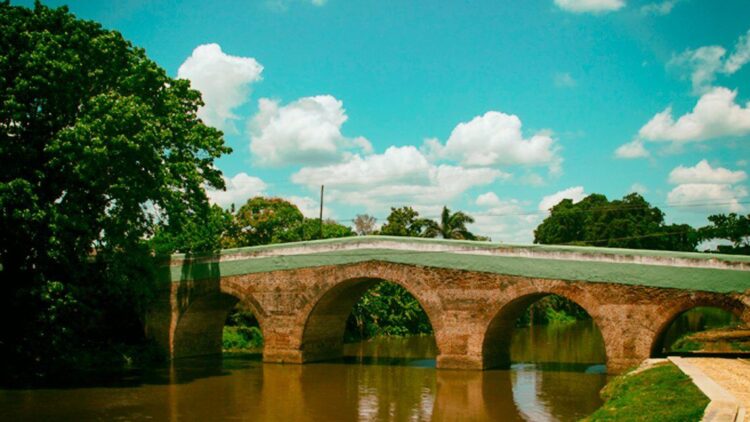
[473,292]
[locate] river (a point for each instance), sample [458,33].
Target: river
[557,375]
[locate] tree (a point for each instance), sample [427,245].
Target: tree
[364,224]
[404,221]
[628,223]
[262,221]
[309,229]
[734,228]
[100,149]
[451,226]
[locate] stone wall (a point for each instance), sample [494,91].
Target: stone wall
[302,312]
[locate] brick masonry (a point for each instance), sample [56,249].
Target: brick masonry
[302,312]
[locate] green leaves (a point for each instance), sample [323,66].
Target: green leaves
[628,223]
[100,150]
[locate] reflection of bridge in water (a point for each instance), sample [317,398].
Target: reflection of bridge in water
[473,292]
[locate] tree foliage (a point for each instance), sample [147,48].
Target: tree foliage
[732,227]
[386,310]
[404,221]
[263,221]
[364,224]
[627,223]
[100,149]
[450,226]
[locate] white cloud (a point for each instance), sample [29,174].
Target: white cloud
[223,80]
[576,194]
[707,197]
[239,189]
[564,80]
[493,139]
[704,63]
[634,149]
[401,175]
[306,131]
[705,189]
[590,6]
[704,173]
[740,56]
[503,220]
[310,207]
[659,8]
[714,115]
[638,188]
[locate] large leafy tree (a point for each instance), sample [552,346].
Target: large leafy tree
[732,227]
[404,221]
[99,147]
[452,225]
[627,223]
[261,221]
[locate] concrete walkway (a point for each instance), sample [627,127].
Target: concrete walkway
[725,381]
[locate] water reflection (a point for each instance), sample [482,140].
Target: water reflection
[382,380]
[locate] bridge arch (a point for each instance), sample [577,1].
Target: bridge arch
[324,321]
[496,342]
[673,310]
[199,328]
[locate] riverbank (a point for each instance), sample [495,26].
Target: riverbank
[660,393]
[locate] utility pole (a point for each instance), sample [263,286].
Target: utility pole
[320,236]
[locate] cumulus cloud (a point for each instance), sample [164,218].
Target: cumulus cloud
[495,139]
[590,6]
[711,197]
[576,194]
[703,188]
[239,189]
[658,8]
[634,149]
[503,220]
[306,131]
[704,173]
[223,80]
[705,63]
[401,175]
[714,115]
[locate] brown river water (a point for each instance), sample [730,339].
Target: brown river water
[557,376]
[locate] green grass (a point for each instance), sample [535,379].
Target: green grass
[242,338]
[662,393]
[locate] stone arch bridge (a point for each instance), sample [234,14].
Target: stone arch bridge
[473,292]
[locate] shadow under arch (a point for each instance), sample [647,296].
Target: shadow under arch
[323,330]
[496,345]
[730,305]
[200,328]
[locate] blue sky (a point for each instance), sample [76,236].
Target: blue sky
[498,108]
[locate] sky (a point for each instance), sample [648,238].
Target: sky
[497,108]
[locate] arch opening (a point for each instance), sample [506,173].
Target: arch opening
[361,309]
[546,330]
[201,327]
[241,332]
[703,328]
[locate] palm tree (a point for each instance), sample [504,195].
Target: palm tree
[451,226]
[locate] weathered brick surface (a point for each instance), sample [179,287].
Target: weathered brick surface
[302,312]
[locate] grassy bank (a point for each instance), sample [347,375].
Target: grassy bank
[662,393]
